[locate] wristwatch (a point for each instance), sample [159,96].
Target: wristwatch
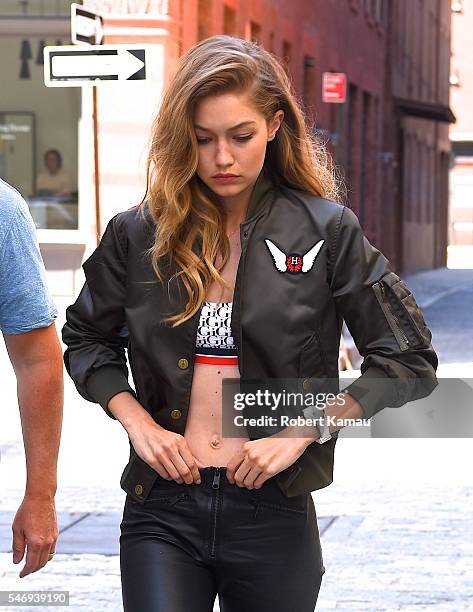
[322,424]
[324,429]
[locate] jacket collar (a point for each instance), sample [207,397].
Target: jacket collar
[260,196]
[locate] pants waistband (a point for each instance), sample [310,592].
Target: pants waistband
[215,477]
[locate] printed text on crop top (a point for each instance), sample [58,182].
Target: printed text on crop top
[215,345]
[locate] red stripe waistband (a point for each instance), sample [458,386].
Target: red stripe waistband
[216,360]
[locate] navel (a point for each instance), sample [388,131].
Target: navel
[215,442]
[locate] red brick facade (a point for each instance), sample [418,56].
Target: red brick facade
[390,138]
[416,124]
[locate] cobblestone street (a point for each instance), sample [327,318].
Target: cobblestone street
[396,524]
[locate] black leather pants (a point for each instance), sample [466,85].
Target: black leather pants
[257,549]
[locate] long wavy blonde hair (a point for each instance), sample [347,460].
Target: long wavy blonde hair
[183,208]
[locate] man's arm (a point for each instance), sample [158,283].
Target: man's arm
[27,314]
[36,357]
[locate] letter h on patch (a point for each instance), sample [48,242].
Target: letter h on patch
[293,263]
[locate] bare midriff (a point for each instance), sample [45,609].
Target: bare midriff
[203,431]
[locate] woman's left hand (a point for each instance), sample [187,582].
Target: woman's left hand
[261,459]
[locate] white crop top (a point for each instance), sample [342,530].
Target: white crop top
[215,344]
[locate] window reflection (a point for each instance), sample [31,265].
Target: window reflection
[54,204]
[51,195]
[54,212]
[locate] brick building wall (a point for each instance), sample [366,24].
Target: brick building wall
[312,37]
[394,156]
[461,134]
[416,120]
[390,138]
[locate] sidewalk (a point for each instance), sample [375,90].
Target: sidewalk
[396,524]
[446,297]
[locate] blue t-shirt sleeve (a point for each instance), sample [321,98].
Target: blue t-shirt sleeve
[25,302]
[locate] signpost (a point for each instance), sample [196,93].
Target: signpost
[77,66]
[74,66]
[334,87]
[86,26]
[90,63]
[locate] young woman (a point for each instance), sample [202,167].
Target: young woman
[239,264]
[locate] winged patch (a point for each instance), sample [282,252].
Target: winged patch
[293,263]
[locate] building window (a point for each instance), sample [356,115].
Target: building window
[229,21]
[379,12]
[17,158]
[36,8]
[39,146]
[431,184]
[255,32]
[418,182]
[420,174]
[376,174]
[351,140]
[369,11]
[286,55]
[204,24]
[410,173]
[308,93]
[365,160]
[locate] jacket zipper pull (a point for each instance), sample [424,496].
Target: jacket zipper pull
[216,480]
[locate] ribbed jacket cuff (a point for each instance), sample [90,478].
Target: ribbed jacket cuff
[105,383]
[373,390]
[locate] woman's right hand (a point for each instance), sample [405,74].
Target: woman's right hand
[165,451]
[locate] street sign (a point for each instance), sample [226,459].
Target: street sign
[334,88]
[74,66]
[86,26]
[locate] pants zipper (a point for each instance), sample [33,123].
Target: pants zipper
[216,487]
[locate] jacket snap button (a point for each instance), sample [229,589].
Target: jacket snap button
[139,489]
[183,364]
[306,384]
[176,414]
